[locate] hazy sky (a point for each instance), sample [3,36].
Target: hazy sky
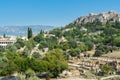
[51,12]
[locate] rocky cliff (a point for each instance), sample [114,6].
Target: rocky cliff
[102,17]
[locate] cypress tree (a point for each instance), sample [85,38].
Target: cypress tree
[4,35]
[29,33]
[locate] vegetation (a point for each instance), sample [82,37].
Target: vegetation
[60,42]
[53,62]
[30,33]
[106,69]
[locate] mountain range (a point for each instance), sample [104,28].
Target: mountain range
[22,30]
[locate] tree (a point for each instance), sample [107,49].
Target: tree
[29,73]
[101,49]
[83,47]
[64,46]
[89,44]
[106,69]
[26,52]
[98,53]
[72,52]
[44,44]
[56,62]
[40,47]
[57,32]
[12,48]
[29,33]
[19,43]
[39,37]
[30,44]
[2,50]
[36,55]
[116,41]
[4,35]
[9,69]
[72,44]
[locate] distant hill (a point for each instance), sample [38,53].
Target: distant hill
[102,17]
[22,30]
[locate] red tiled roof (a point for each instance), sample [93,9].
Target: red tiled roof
[7,40]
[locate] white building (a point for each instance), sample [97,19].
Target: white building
[5,41]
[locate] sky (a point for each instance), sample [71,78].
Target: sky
[51,12]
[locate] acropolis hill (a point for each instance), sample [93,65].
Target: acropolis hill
[102,17]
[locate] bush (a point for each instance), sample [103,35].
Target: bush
[101,49]
[98,53]
[36,55]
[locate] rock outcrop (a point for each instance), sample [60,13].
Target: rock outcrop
[102,17]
